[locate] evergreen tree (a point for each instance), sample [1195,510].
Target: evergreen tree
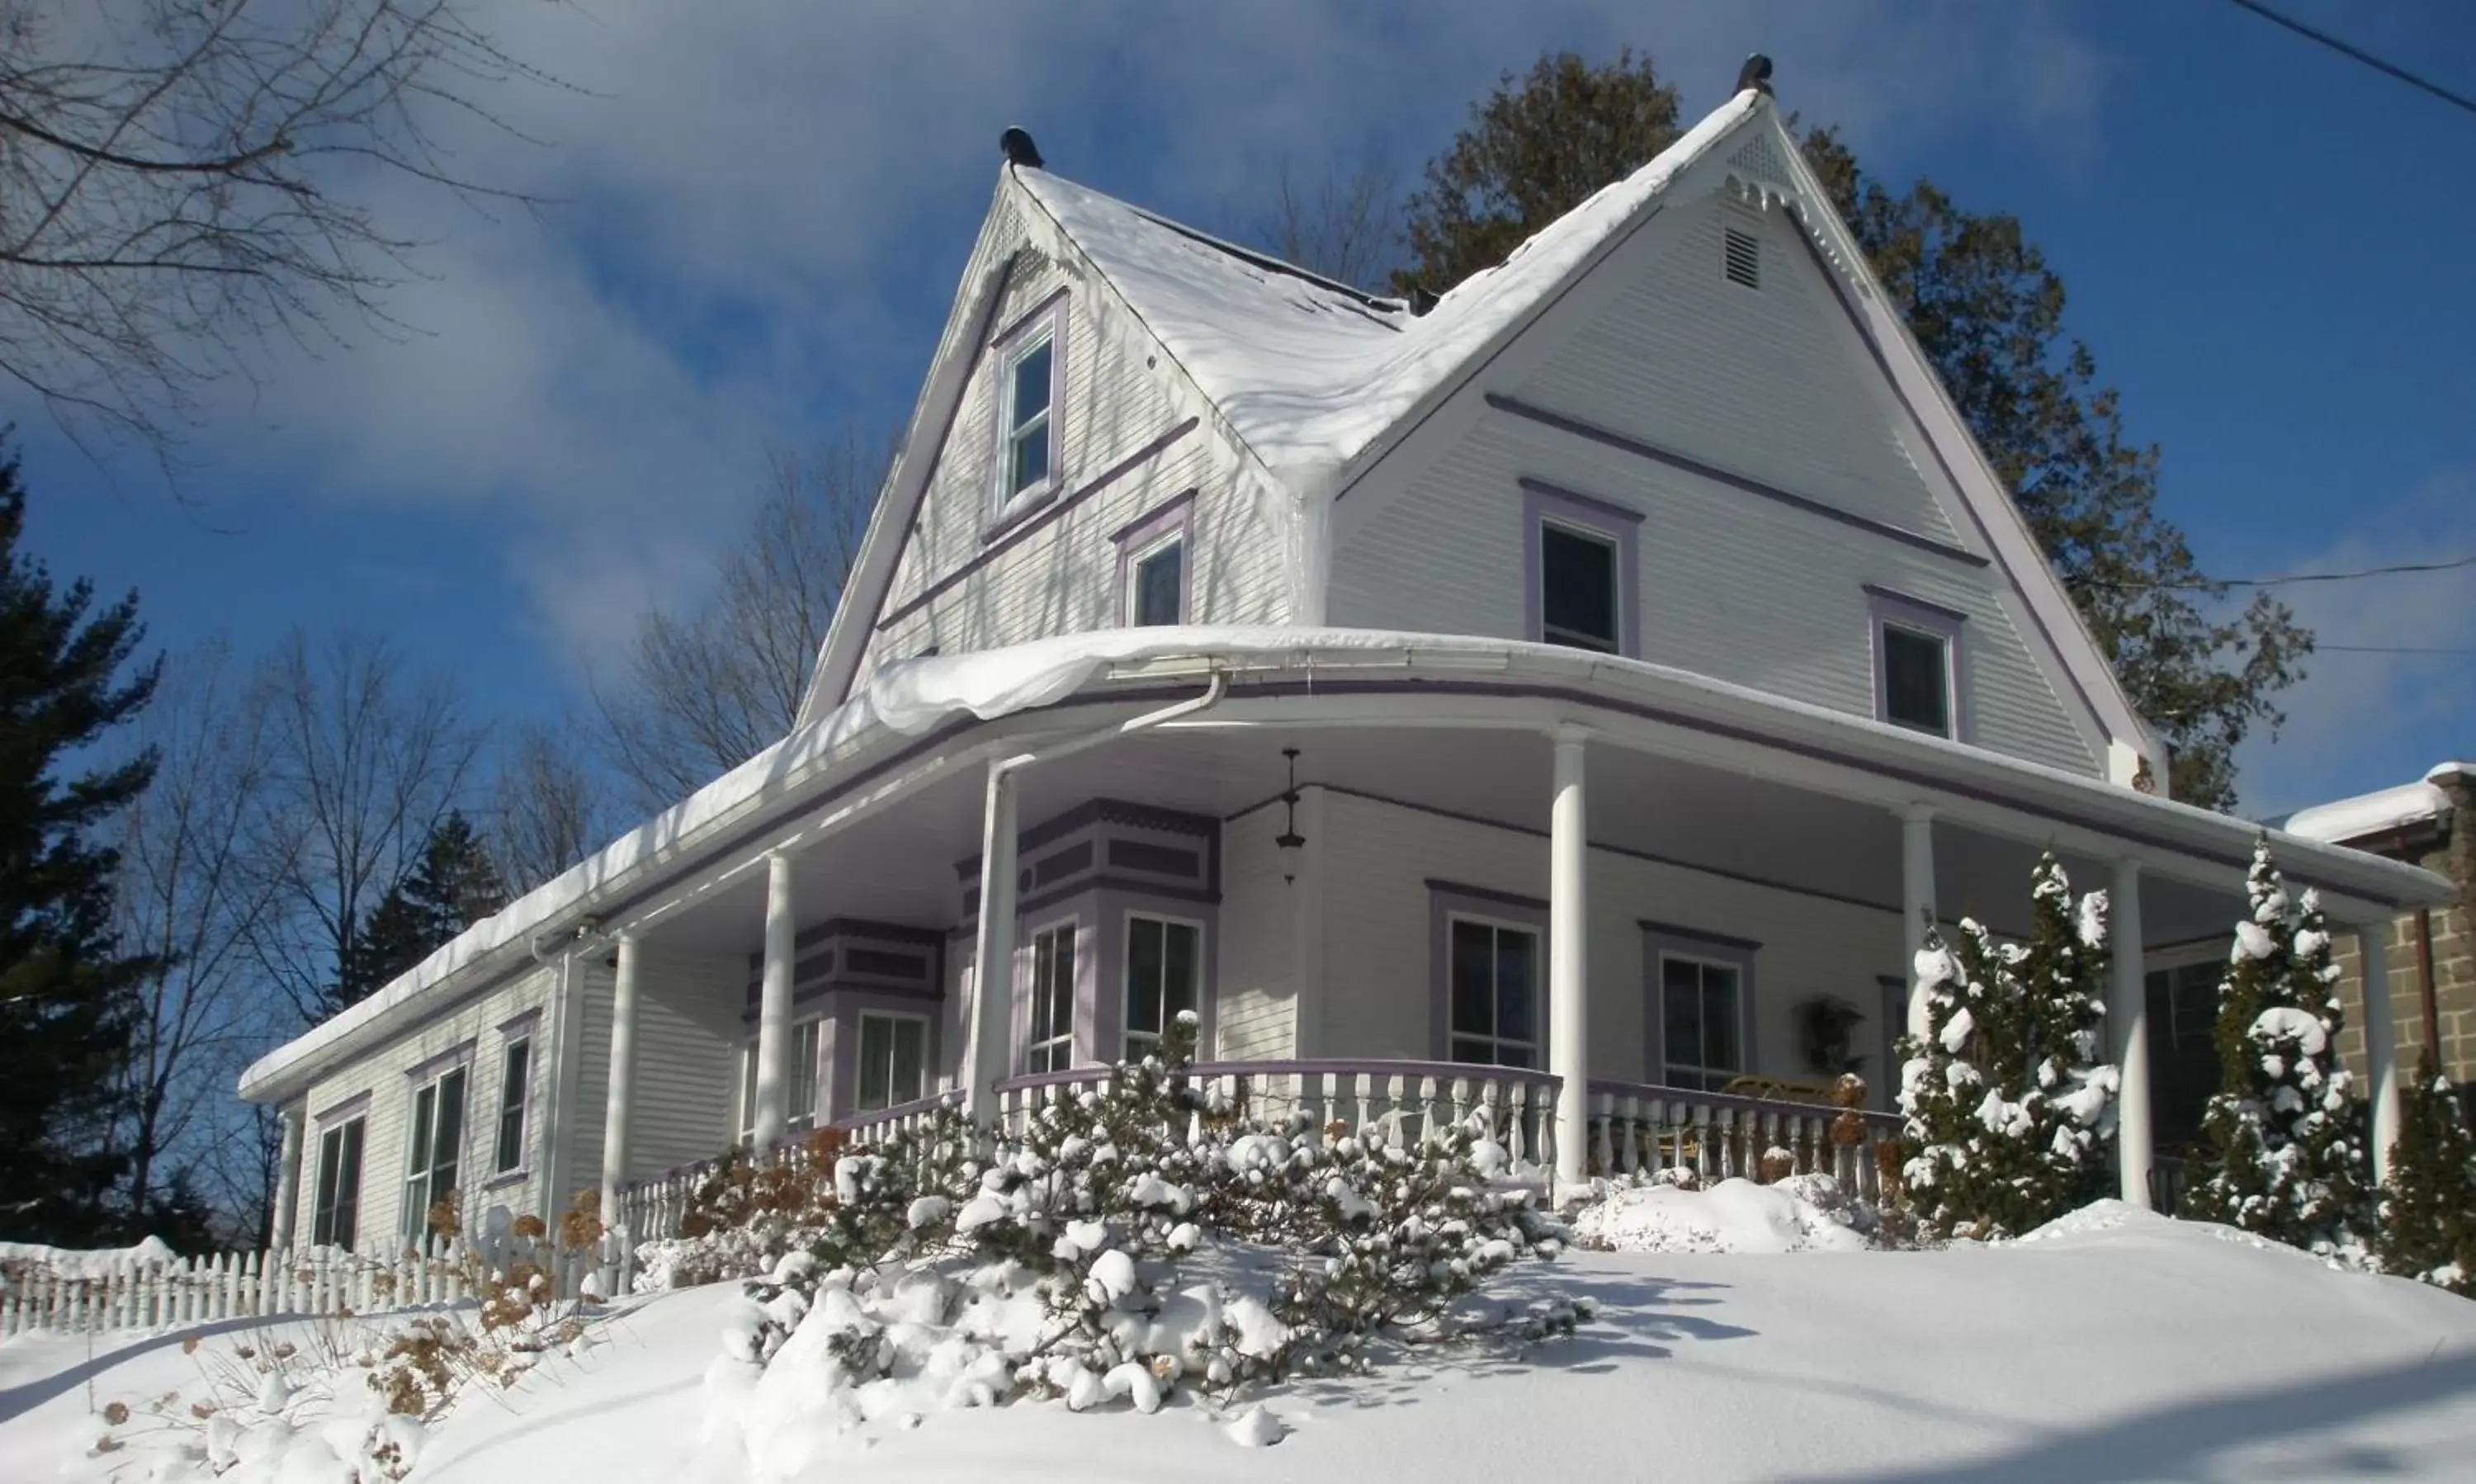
[1988,315]
[453,886]
[2070,1092]
[2286,1155]
[2428,1214]
[1951,1177]
[67,994]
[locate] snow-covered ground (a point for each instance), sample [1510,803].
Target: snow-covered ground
[2117,1346]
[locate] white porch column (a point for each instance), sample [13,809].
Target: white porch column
[1568,967]
[990,1057]
[774,1002]
[287,1186]
[2128,1008]
[2381,1045]
[1916,901]
[623,1067]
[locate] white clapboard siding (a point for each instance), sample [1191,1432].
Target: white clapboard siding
[1257,1010]
[688,1030]
[1733,584]
[1380,979]
[1121,394]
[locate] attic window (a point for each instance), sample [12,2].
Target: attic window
[1744,257]
[1029,363]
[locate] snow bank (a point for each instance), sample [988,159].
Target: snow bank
[1733,1216]
[69,1262]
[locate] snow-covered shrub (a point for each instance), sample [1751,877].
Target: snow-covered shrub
[2428,1203]
[2286,1155]
[1121,1242]
[2007,1109]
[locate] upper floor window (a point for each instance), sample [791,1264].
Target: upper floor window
[1029,359]
[1153,575]
[1916,663]
[1581,586]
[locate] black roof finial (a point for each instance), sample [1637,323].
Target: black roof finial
[1755,74]
[1019,148]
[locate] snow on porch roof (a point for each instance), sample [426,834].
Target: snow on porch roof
[1309,372]
[2375,813]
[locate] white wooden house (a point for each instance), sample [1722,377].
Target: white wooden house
[1552,697]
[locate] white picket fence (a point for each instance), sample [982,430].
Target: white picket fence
[156,1294]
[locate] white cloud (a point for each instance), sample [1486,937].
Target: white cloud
[749,190]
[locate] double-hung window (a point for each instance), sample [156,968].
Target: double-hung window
[437,1138]
[1050,1041]
[1493,979]
[893,1061]
[1699,1016]
[1916,663]
[1582,588]
[1164,978]
[1028,365]
[336,1204]
[515,1071]
[800,1086]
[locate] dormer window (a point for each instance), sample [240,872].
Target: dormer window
[1029,366]
[1916,663]
[1580,586]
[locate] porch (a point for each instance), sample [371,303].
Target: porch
[1388,897]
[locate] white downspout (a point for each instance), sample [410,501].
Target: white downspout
[988,1057]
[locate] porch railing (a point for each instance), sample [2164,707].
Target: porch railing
[1636,1126]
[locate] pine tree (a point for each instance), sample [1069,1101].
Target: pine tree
[2428,1213]
[2285,1154]
[453,886]
[1955,1170]
[67,994]
[2070,1092]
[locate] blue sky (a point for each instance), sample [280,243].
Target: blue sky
[761,210]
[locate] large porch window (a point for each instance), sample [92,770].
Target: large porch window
[1495,977]
[1050,1041]
[893,1061]
[335,1215]
[1701,1006]
[437,1138]
[1164,976]
[799,1095]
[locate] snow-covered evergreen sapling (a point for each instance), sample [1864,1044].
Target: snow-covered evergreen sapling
[1954,1171]
[2428,1210]
[2286,1155]
[2071,1093]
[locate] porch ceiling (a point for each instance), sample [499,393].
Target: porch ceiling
[898,865]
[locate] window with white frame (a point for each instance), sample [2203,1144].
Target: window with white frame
[336,1205]
[1700,1020]
[799,1090]
[1164,978]
[1916,678]
[1578,596]
[437,1139]
[1494,982]
[1156,583]
[1030,421]
[515,1071]
[1049,1043]
[893,1060]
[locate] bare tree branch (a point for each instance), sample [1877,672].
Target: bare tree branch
[547,807]
[1346,226]
[703,692]
[183,181]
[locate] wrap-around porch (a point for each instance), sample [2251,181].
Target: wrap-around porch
[1631,936]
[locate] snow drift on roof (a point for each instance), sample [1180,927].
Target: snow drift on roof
[1307,372]
[2368,814]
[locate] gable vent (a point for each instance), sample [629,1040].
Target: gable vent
[1744,257]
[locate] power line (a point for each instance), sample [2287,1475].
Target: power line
[2319,647]
[2211,583]
[2388,69]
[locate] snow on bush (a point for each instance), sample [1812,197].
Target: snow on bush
[1803,1213]
[1129,1243]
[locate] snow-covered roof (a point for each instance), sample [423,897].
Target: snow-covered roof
[1311,374]
[2378,812]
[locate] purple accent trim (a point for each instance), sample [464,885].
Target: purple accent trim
[1446,901]
[1885,609]
[1007,503]
[1559,494]
[1937,609]
[1102,811]
[1165,890]
[1002,544]
[445,1061]
[1658,946]
[1934,446]
[516,1026]
[1752,487]
[1685,934]
[1020,511]
[1487,894]
[1174,519]
[1619,528]
[354,1106]
[1023,321]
